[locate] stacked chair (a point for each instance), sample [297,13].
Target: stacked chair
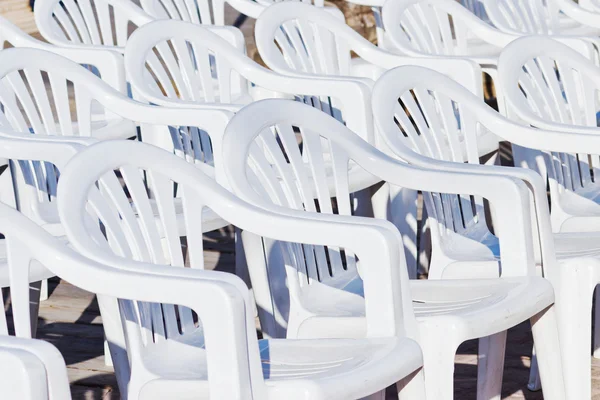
[137,124]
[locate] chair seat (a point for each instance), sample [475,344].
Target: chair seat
[337,368]
[479,306]
[577,245]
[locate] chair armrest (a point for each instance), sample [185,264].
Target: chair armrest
[54,149]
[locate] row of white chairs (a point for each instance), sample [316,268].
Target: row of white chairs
[336,286]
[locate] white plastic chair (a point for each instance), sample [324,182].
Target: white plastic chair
[85,23]
[32,370]
[551,87]
[319,291]
[444,27]
[206,12]
[548,17]
[106,64]
[447,118]
[302,41]
[170,355]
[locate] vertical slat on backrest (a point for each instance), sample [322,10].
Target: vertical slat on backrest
[539,91]
[326,50]
[182,10]
[121,27]
[416,115]
[77,18]
[204,9]
[104,21]
[549,82]
[196,15]
[147,224]
[302,58]
[313,146]
[83,105]
[574,96]
[414,30]
[434,131]
[161,189]
[108,214]
[192,209]
[296,185]
[90,20]
[340,164]
[10,109]
[112,190]
[445,32]
[139,195]
[307,37]
[160,73]
[60,96]
[66,24]
[168,58]
[188,72]
[317,148]
[425,15]
[20,89]
[224,77]
[507,13]
[40,95]
[450,124]
[170,8]
[202,61]
[547,68]
[288,52]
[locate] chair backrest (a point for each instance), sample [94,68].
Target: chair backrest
[419,111]
[290,155]
[180,62]
[99,22]
[32,370]
[43,93]
[477,7]
[434,27]
[206,12]
[127,206]
[305,39]
[552,86]
[524,16]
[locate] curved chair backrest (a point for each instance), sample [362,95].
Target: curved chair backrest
[43,93]
[105,23]
[531,16]
[127,206]
[295,36]
[419,110]
[108,216]
[207,12]
[186,63]
[32,370]
[477,7]
[437,27]
[195,11]
[554,87]
[287,154]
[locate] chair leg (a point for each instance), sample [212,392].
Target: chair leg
[438,365]
[490,366]
[44,290]
[34,305]
[597,324]
[412,387]
[545,335]
[573,307]
[534,383]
